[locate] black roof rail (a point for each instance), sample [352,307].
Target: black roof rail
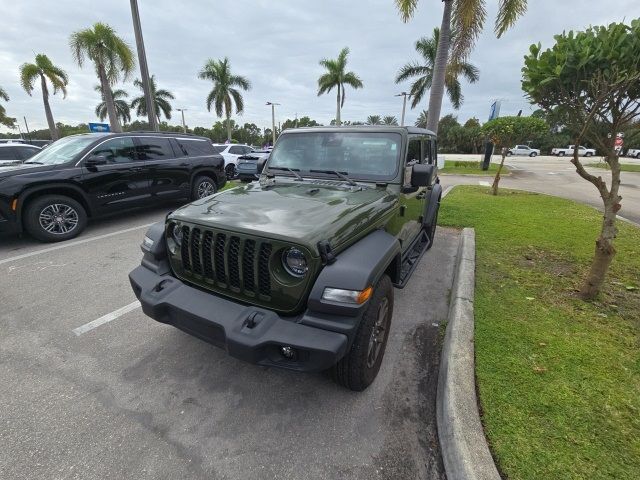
[162,133]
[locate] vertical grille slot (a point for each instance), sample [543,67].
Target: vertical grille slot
[207,254]
[248,257]
[264,276]
[186,261]
[196,257]
[221,241]
[233,263]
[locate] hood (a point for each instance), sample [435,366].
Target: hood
[19,169]
[298,212]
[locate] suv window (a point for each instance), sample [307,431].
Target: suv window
[414,151]
[235,150]
[155,148]
[218,148]
[27,152]
[117,150]
[8,153]
[196,148]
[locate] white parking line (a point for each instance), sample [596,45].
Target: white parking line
[72,244]
[484,183]
[106,318]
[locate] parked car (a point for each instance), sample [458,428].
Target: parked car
[523,150]
[248,164]
[633,152]
[297,270]
[52,194]
[582,151]
[230,152]
[16,153]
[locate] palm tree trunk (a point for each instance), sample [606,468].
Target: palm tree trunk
[228,126]
[338,122]
[47,109]
[440,68]
[108,100]
[496,180]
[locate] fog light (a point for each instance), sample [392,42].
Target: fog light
[288,352]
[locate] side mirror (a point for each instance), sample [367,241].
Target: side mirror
[260,165]
[94,160]
[422,175]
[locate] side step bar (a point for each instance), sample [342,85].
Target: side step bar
[412,258]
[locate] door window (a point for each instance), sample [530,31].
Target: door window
[196,148]
[117,150]
[155,148]
[27,152]
[8,153]
[428,154]
[236,150]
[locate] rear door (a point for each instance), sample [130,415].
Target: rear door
[122,182]
[167,164]
[412,199]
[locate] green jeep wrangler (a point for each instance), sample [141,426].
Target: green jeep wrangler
[296,270]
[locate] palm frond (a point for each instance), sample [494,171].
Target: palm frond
[4,95]
[508,12]
[467,20]
[29,72]
[411,70]
[406,8]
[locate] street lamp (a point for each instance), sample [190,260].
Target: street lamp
[144,70]
[273,120]
[404,105]
[184,126]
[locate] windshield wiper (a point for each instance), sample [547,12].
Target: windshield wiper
[39,163]
[343,176]
[287,169]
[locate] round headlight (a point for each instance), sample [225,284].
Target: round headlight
[295,262]
[176,234]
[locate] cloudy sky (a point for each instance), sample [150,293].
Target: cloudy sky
[276,44]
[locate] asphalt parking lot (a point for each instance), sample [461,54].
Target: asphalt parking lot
[131,398]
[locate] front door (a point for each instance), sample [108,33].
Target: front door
[120,183]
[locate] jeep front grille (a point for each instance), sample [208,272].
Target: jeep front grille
[227,262]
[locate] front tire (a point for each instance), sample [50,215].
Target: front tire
[588,154]
[509,154]
[561,154]
[638,155]
[360,366]
[54,218]
[533,154]
[231,171]
[203,186]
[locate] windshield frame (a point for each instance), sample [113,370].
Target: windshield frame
[353,175]
[86,141]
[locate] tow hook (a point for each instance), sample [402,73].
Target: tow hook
[160,286]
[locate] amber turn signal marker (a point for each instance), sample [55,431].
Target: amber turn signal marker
[364,295]
[14,204]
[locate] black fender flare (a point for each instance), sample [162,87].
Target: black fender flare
[433,205]
[27,193]
[359,266]
[210,170]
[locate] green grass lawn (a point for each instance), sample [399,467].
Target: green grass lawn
[470,168]
[624,167]
[558,378]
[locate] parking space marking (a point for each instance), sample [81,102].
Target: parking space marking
[73,244]
[483,183]
[87,327]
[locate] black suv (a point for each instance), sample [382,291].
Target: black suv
[52,194]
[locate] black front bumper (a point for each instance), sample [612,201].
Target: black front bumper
[249,333]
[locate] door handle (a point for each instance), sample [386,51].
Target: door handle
[137,169]
[184,164]
[421,195]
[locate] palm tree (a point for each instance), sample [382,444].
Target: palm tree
[373,120]
[4,120]
[421,122]
[468,21]
[225,89]
[160,98]
[111,56]
[389,120]
[122,107]
[427,48]
[336,76]
[43,69]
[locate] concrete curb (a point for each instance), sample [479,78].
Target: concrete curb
[465,452]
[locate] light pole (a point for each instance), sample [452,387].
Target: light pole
[404,105]
[184,126]
[273,121]
[144,70]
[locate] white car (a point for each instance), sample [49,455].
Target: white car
[582,151]
[230,152]
[14,153]
[633,152]
[523,150]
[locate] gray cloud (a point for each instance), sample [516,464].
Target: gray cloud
[277,45]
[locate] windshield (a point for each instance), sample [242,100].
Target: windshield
[62,151]
[361,155]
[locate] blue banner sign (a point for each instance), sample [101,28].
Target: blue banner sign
[99,127]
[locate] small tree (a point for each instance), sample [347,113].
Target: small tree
[507,131]
[592,80]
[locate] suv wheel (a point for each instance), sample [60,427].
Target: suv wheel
[231,171]
[588,154]
[203,186]
[53,218]
[561,154]
[533,154]
[360,366]
[509,154]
